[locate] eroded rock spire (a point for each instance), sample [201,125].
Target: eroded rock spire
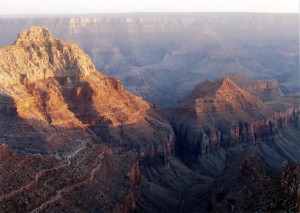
[35,34]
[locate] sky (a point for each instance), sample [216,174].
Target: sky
[128,6]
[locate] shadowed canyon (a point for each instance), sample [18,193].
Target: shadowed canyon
[207,119]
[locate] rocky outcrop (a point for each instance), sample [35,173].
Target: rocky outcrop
[78,135]
[263,130]
[200,140]
[4,151]
[268,89]
[135,173]
[220,95]
[34,35]
[55,83]
[264,89]
[30,61]
[220,114]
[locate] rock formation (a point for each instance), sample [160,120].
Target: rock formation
[72,139]
[219,114]
[265,89]
[55,83]
[218,96]
[75,137]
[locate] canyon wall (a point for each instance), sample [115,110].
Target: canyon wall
[218,115]
[75,140]
[265,89]
[202,141]
[152,53]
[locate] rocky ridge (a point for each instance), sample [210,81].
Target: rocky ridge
[36,56]
[220,95]
[220,114]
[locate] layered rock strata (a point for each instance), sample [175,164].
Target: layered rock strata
[220,114]
[264,89]
[75,137]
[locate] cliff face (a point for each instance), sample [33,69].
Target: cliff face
[56,83]
[218,96]
[78,135]
[220,114]
[48,66]
[264,89]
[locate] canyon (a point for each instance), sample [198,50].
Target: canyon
[163,56]
[73,139]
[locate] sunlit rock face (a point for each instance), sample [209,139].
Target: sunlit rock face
[50,83]
[69,133]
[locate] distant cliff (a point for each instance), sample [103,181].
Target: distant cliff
[163,56]
[265,89]
[219,114]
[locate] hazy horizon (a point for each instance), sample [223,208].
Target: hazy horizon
[68,7]
[68,15]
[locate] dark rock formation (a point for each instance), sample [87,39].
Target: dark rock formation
[290,180]
[4,151]
[248,184]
